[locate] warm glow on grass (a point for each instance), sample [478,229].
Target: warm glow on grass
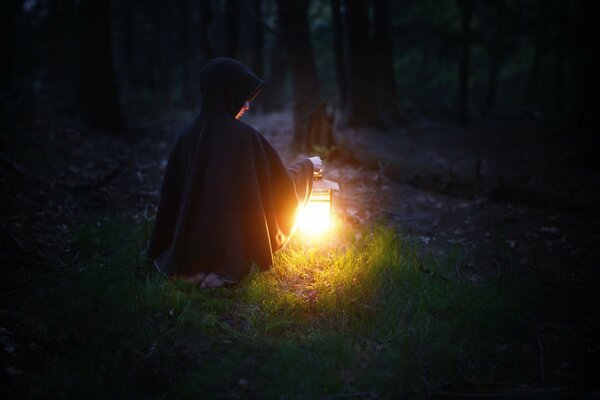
[321,286]
[353,303]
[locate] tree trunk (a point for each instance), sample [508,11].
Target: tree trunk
[129,43]
[338,51]
[253,15]
[186,62]
[588,87]
[384,46]
[103,110]
[423,75]
[207,49]
[559,75]
[256,33]
[536,62]
[9,66]
[272,97]
[496,57]
[463,70]
[310,124]
[390,111]
[361,109]
[231,29]
[56,39]
[162,66]
[560,15]
[8,12]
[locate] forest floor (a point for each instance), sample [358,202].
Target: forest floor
[549,244]
[62,182]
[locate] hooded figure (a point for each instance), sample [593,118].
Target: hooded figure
[227,199]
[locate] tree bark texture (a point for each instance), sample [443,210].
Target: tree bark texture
[339,51]
[496,55]
[361,104]
[273,93]
[560,16]
[186,62]
[586,121]
[9,65]
[207,49]
[252,41]
[129,43]
[231,29]
[540,49]
[162,60]
[309,126]
[391,113]
[463,70]
[384,46]
[102,103]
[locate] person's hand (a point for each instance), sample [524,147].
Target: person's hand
[317,163]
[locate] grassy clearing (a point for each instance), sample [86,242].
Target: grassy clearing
[355,315]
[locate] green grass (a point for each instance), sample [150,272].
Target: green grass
[355,314]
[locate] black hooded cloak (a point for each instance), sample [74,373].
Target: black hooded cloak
[227,199]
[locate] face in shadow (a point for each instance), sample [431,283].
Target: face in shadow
[244,108]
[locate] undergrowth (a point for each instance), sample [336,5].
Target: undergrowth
[358,314]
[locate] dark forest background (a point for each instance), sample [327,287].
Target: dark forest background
[380,62]
[464,137]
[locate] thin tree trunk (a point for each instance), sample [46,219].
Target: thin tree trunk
[257,38]
[361,109]
[207,49]
[56,18]
[561,11]
[390,110]
[423,74]
[162,70]
[8,12]
[66,85]
[129,43]
[273,94]
[186,62]
[231,29]
[255,33]
[103,110]
[384,47]
[338,51]
[497,54]
[536,62]
[463,70]
[559,76]
[588,77]
[8,48]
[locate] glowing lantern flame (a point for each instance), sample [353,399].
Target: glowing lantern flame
[315,219]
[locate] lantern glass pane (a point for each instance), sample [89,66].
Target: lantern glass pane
[316,217]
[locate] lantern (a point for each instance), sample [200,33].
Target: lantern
[316,216]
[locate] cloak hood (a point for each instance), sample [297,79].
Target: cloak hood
[225,85]
[227,199]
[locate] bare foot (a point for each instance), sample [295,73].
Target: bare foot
[212,280]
